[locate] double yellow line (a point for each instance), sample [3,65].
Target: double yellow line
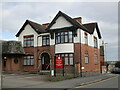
[96,81]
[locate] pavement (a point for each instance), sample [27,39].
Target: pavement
[32,81]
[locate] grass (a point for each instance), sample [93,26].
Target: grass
[60,78]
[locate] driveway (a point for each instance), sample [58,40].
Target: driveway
[21,80]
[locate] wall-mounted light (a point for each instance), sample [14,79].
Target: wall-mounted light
[5,58]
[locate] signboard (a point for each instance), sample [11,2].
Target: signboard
[59,62]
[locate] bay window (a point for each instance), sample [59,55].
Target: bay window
[68,58]
[64,37]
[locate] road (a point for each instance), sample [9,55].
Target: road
[108,83]
[35,81]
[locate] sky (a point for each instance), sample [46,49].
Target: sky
[14,14]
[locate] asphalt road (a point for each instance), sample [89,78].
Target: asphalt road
[108,83]
[38,81]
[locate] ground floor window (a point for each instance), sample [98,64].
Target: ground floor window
[68,58]
[86,58]
[96,58]
[29,60]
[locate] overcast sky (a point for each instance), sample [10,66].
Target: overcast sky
[105,14]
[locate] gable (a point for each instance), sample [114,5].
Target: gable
[38,28]
[61,22]
[68,21]
[95,33]
[28,30]
[93,28]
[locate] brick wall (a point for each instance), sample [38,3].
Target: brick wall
[91,66]
[11,65]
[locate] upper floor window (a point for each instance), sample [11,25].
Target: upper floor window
[86,58]
[68,58]
[96,58]
[29,60]
[95,42]
[86,38]
[28,41]
[45,40]
[64,37]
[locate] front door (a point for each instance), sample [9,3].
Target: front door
[45,61]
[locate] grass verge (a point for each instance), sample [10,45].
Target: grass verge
[61,78]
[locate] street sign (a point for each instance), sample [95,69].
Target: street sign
[59,62]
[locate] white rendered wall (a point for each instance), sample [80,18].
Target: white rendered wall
[52,41]
[81,34]
[64,48]
[96,35]
[77,39]
[61,22]
[28,30]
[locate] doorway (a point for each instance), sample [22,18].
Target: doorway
[45,61]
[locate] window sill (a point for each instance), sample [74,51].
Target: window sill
[28,47]
[45,45]
[63,43]
[86,44]
[95,47]
[68,65]
[28,65]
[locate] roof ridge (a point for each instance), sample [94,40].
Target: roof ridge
[91,23]
[33,22]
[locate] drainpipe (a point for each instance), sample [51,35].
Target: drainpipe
[80,56]
[37,52]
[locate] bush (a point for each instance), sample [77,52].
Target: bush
[117,64]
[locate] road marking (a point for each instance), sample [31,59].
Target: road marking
[94,82]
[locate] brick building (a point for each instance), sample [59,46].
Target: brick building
[12,55]
[67,37]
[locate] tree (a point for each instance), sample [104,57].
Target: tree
[117,64]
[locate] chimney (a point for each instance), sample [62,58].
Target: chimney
[78,19]
[46,24]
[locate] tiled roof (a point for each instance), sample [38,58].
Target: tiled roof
[37,27]
[72,21]
[12,47]
[91,27]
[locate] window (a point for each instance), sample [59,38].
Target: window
[45,40]
[86,58]
[96,58]
[86,38]
[95,42]
[28,60]
[64,37]
[28,41]
[68,58]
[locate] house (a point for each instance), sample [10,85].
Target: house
[12,55]
[67,37]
